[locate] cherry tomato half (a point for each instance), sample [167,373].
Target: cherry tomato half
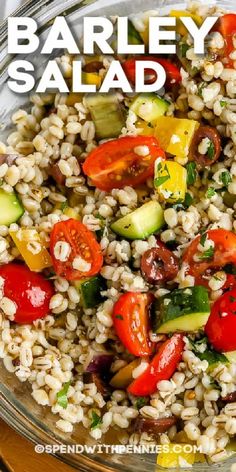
[115,163]
[224,253]
[159,264]
[221,325]
[214,149]
[161,367]
[30,292]
[82,245]
[226,25]
[131,322]
[173,76]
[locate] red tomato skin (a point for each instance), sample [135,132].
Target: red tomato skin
[224,253]
[131,322]
[226,25]
[117,156]
[173,75]
[162,367]
[62,231]
[30,291]
[219,329]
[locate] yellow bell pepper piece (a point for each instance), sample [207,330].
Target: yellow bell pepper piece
[175,134]
[170,181]
[124,376]
[91,78]
[72,213]
[180,28]
[32,249]
[73,98]
[176,457]
[146,130]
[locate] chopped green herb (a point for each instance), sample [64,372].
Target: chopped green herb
[203,239]
[62,395]
[96,420]
[191,173]
[223,103]
[225,178]
[210,192]
[188,200]
[140,402]
[209,354]
[200,88]
[163,178]
[232,299]
[64,205]
[183,49]
[119,317]
[211,150]
[208,254]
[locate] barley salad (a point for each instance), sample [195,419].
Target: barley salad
[118,250]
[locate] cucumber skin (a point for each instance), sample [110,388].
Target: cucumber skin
[90,291]
[188,310]
[11,205]
[133,35]
[125,226]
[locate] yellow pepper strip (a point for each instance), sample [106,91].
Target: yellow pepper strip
[72,213]
[176,456]
[180,28]
[175,134]
[91,78]
[32,249]
[73,98]
[124,376]
[170,181]
[146,130]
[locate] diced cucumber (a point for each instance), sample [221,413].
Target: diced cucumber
[133,35]
[185,309]
[90,291]
[149,106]
[107,114]
[11,208]
[142,222]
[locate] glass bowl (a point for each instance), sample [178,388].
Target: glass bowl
[17,407]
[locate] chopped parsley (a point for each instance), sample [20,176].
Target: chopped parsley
[200,88]
[208,254]
[183,49]
[140,402]
[223,103]
[203,239]
[225,178]
[210,192]
[211,150]
[119,317]
[62,395]
[188,200]
[96,420]
[64,205]
[207,352]
[191,173]
[162,178]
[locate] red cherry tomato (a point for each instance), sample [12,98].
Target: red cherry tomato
[226,25]
[115,163]
[173,76]
[221,325]
[161,367]
[82,243]
[131,322]
[224,253]
[30,292]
